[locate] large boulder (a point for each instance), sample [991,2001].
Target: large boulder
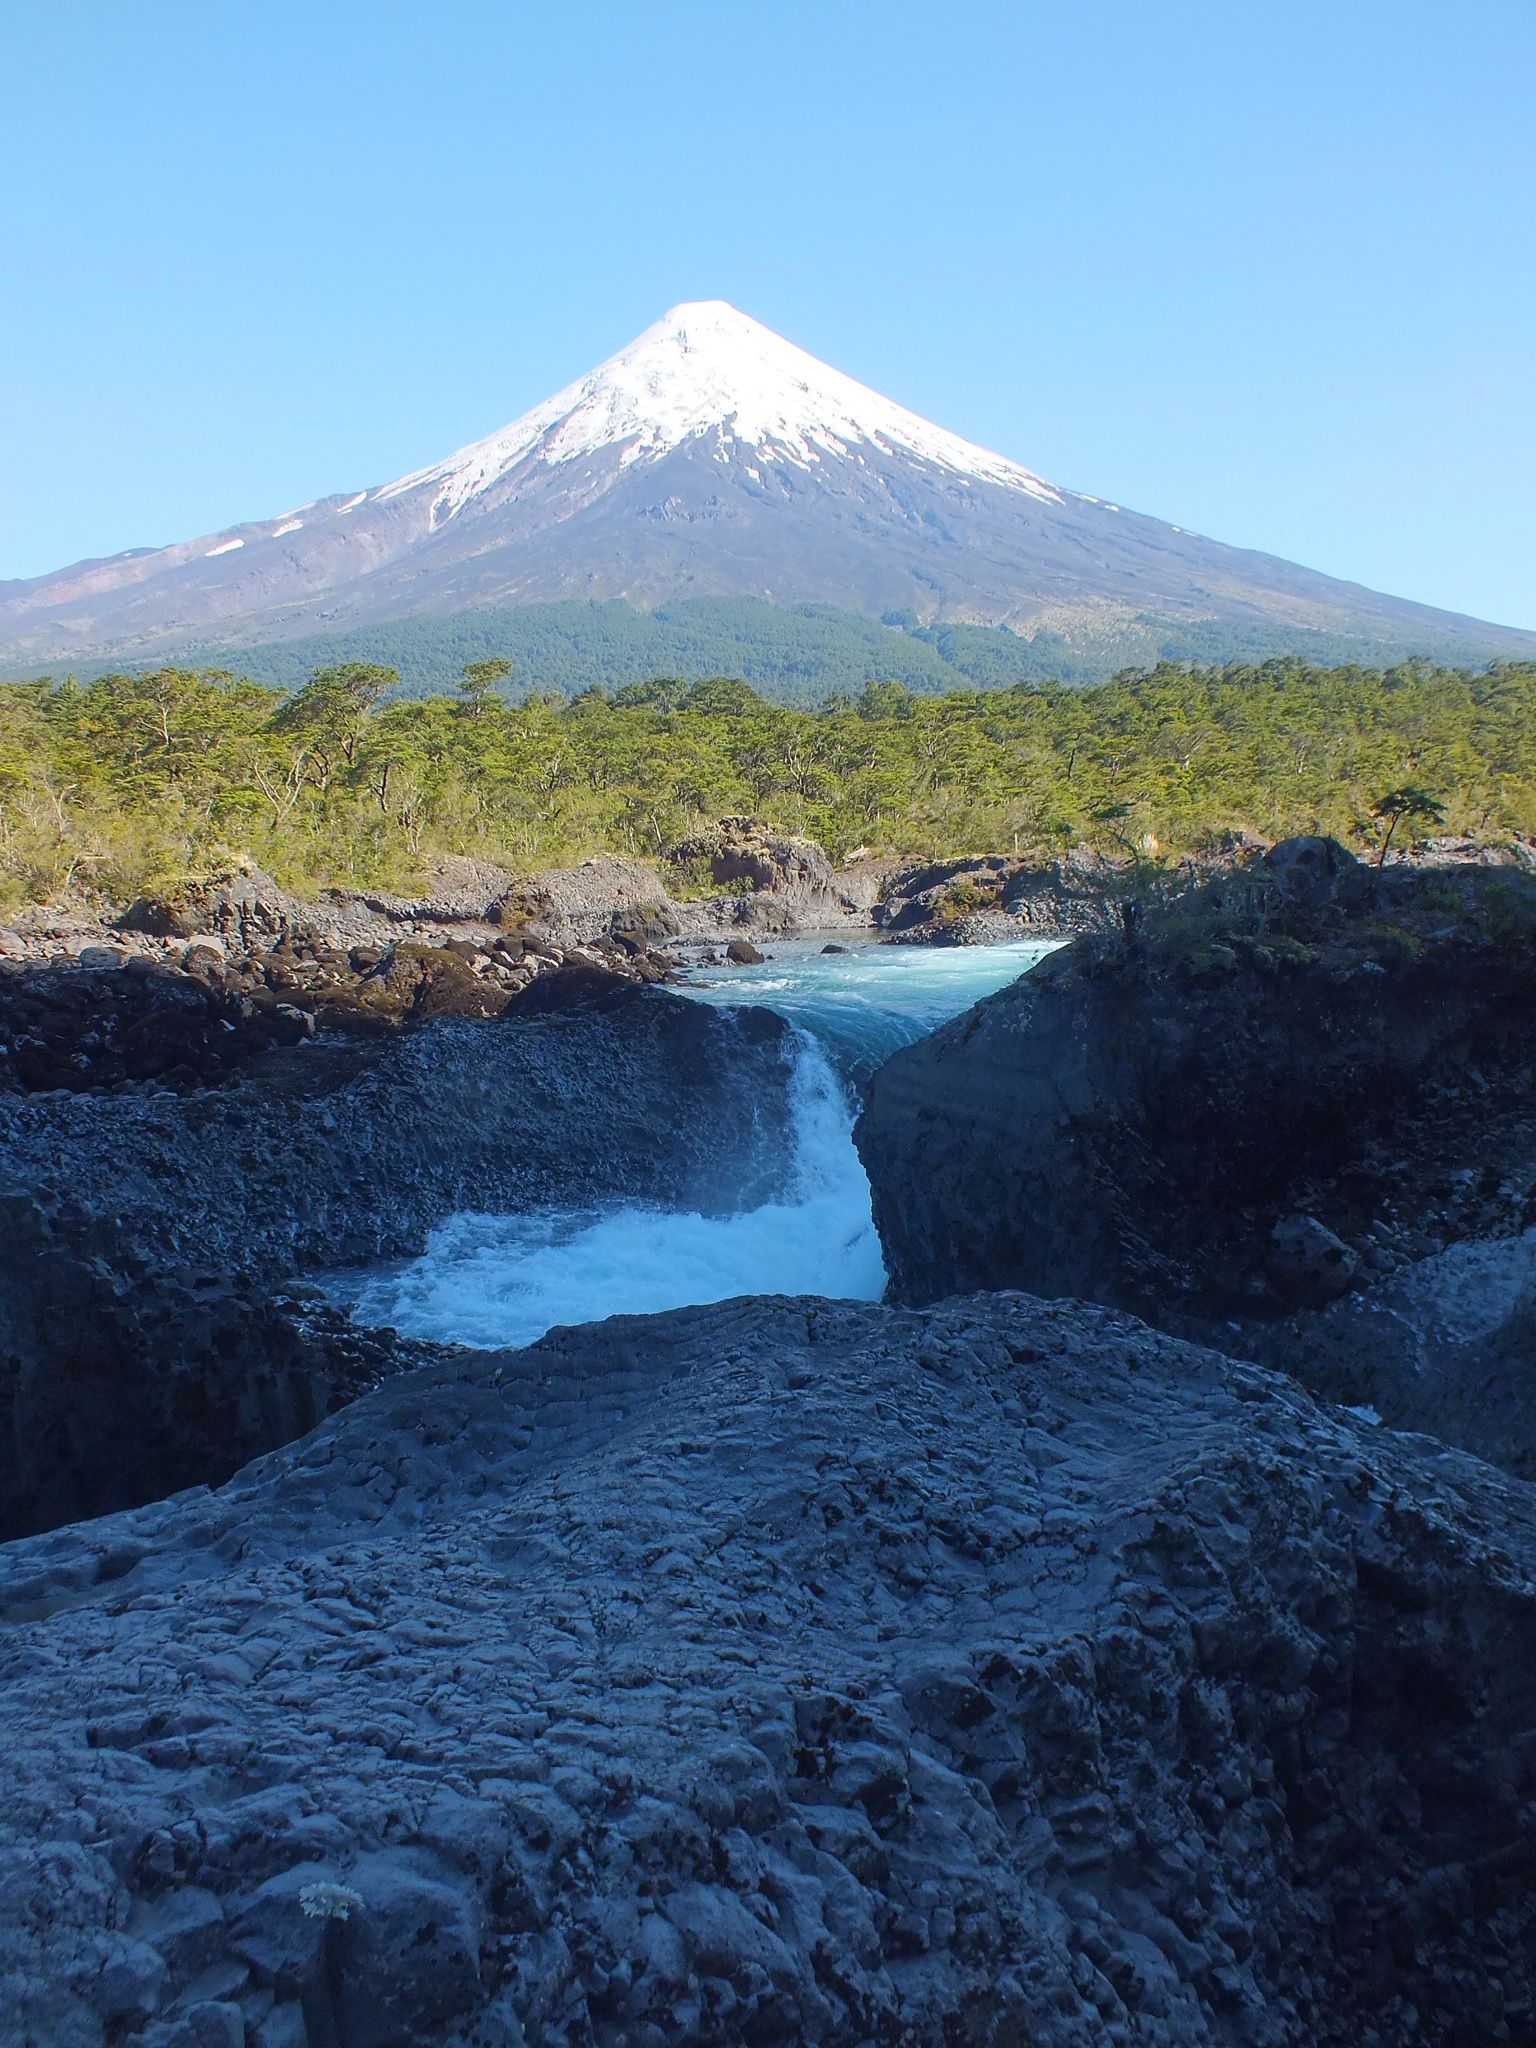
[786,1671]
[986,899]
[575,905]
[245,907]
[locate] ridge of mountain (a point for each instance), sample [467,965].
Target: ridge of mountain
[712,459]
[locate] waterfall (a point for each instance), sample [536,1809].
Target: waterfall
[504,1280]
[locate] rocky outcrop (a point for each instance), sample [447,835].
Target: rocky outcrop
[770,879]
[989,899]
[589,902]
[145,1234]
[112,1017]
[118,1387]
[109,1018]
[1445,1343]
[1220,1114]
[992,899]
[786,1671]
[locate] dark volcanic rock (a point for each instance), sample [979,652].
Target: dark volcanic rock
[786,1672]
[185,988]
[1307,1264]
[1206,1117]
[127,1215]
[122,1386]
[88,1025]
[1446,1344]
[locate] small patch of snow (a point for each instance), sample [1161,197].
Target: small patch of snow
[288,526]
[224,548]
[352,503]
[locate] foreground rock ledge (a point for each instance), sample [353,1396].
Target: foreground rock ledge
[786,1671]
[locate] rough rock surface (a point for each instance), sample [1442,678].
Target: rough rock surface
[774,880]
[1222,1115]
[185,988]
[585,902]
[109,1017]
[989,900]
[1448,1341]
[786,1672]
[144,1233]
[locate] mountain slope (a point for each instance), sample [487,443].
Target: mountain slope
[710,458]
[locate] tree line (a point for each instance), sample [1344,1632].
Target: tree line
[793,654]
[135,780]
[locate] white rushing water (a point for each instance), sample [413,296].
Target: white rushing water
[505,1280]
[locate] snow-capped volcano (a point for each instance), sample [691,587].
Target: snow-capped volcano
[711,458]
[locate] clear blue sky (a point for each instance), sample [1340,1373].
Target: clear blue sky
[1266,268]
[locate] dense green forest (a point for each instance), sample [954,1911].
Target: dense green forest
[130,780]
[794,654]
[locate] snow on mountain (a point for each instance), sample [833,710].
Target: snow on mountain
[706,370]
[712,458]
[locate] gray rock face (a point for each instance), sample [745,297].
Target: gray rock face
[1260,1104]
[777,1672]
[992,898]
[1308,1264]
[140,1348]
[1206,1120]
[338,1153]
[585,902]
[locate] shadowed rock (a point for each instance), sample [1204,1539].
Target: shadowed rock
[1244,1107]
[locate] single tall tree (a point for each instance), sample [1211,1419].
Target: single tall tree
[329,715]
[1410,802]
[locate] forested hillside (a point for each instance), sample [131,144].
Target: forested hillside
[130,779]
[793,654]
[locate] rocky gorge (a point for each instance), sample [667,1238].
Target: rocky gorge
[1123,1633]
